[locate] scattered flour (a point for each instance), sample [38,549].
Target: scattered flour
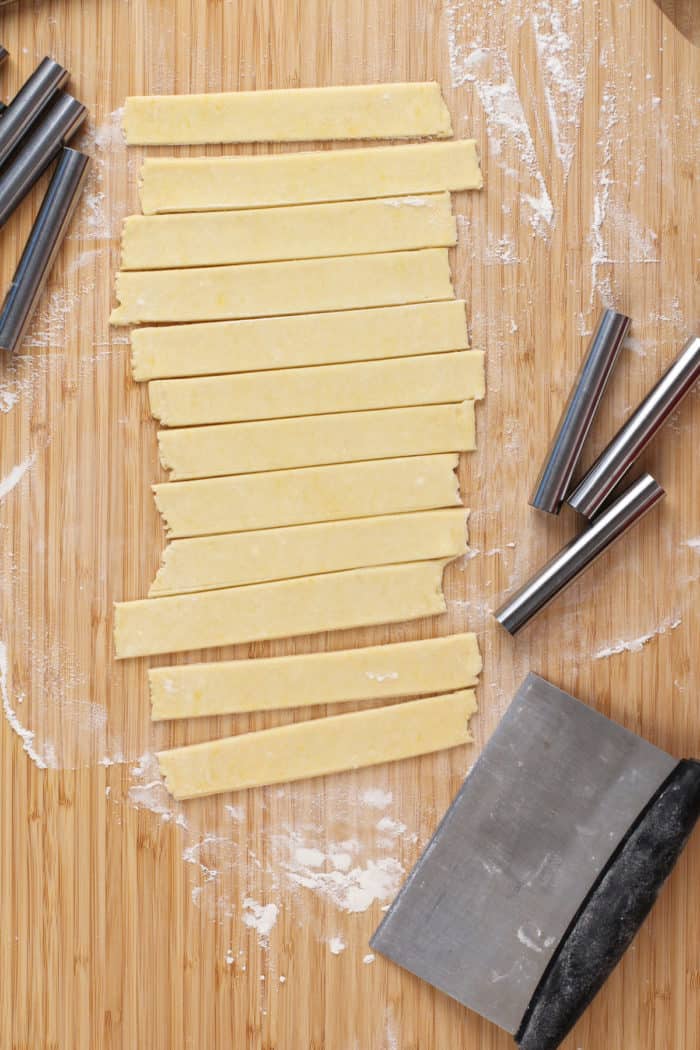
[635,645]
[261,918]
[14,477]
[336,945]
[376,798]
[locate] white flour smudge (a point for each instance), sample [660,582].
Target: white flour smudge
[491,73]
[261,918]
[43,758]
[11,480]
[693,543]
[148,791]
[563,60]
[635,645]
[336,945]
[377,798]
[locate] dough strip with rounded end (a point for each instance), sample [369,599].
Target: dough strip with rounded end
[305,231]
[319,390]
[359,111]
[235,559]
[319,747]
[312,494]
[264,343]
[180,184]
[359,598]
[433,665]
[344,437]
[214,293]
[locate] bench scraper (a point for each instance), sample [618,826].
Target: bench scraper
[544,867]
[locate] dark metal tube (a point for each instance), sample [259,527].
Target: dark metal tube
[28,104]
[565,449]
[37,149]
[644,423]
[42,247]
[576,556]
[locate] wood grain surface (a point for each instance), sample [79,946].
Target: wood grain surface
[123,918]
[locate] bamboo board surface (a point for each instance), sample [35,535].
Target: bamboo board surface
[124,917]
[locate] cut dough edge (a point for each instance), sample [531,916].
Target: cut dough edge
[279,444]
[186,184]
[319,390]
[402,110]
[246,290]
[319,747]
[335,601]
[433,665]
[267,343]
[306,231]
[308,495]
[241,558]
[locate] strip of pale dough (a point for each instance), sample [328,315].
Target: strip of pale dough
[371,111]
[319,390]
[296,497]
[319,747]
[264,289]
[434,665]
[307,231]
[237,558]
[362,597]
[300,339]
[172,184]
[345,437]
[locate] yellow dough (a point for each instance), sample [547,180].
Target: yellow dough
[293,497]
[278,444]
[319,747]
[372,111]
[263,289]
[323,389]
[308,231]
[361,597]
[301,339]
[237,558]
[435,665]
[172,184]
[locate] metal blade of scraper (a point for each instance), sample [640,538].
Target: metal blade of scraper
[553,794]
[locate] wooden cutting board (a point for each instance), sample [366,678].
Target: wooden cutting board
[124,919]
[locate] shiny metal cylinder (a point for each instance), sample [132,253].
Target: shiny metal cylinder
[631,440]
[564,452]
[37,149]
[28,104]
[576,556]
[42,247]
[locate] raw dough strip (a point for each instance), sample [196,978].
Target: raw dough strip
[322,389]
[279,444]
[172,184]
[215,293]
[308,231]
[434,665]
[238,558]
[319,747]
[362,597]
[301,339]
[313,494]
[372,111]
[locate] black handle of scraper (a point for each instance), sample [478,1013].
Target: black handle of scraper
[613,911]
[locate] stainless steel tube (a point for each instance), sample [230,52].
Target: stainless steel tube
[42,247]
[564,452]
[644,423]
[28,104]
[37,149]
[581,552]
